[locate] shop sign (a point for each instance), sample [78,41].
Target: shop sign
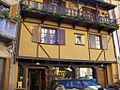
[61,73]
[19,84]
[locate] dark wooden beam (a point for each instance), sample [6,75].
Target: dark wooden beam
[44,50]
[55,60]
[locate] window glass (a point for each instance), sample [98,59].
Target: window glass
[52,36]
[44,35]
[84,73]
[11,30]
[97,39]
[79,39]
[2,24]
[48,36]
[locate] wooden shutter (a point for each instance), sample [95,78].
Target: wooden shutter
[61,37]
[104,42]
[36,34]
[92,43]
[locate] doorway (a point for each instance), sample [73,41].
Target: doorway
[102,76]
[36,79]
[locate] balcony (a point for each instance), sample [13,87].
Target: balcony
[102,4]
[7,30]
[74,17]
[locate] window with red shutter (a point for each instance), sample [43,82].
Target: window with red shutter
[61,37]
[104,42]
[48,35]
[92,43]
[98,42]
[36,34]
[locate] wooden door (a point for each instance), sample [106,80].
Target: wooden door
[101,76]
[37,79]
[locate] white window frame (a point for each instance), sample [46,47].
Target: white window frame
[82,42]
[98,41]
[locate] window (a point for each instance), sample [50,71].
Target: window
[11,29]
[79,39]
[2,24]
[84,73]
[44,36]
[98,42]
[48,35]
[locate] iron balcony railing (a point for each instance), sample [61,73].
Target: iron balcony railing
[7,28]
[68,11]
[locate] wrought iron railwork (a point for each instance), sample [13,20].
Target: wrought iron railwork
[67,11]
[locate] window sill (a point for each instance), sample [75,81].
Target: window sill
[80,44]
[51,44]
[98,49]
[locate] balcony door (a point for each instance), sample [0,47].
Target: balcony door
[90,13]
[36,79]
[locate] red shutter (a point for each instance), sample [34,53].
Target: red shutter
[92,43]
[36,34]
[104,42]
[61,37]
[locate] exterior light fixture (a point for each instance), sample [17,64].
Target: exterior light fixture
[37,63]
[69,69]
[102,65]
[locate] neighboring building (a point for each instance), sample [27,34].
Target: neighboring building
[10,2]
[7,38]
[65,39]
[117,33]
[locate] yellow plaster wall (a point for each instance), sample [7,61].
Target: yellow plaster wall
[109,74]
[28,48]
[96,54]
[115,72]
[110,55]
[72,51]
[15,74]
[67,51]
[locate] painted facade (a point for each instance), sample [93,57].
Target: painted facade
[7,37]
[51,39]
